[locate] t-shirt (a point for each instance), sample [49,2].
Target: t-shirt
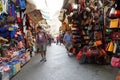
[67,38]
[41,37]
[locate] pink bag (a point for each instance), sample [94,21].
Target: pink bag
[79,55]
[115,62]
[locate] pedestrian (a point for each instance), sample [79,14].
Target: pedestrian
[49,40]
[41,38]
[67,40]
[57,40]
[61,39]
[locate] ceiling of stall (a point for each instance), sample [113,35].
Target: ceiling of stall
[50,11]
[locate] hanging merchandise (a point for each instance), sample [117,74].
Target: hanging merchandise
[5,4]
[98,43]
[89,53]
[111,47]
[115,62]
[22,4]
[114,23]
[18,14]
[79,55]
[115,47]
[116,35]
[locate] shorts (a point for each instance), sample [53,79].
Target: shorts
[68,45]
[42,47]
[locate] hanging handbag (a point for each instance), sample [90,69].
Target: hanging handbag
[111,47]
[103,52]
[115,62]
[79,55]
[98,27]
[89,53]
[74,51]
[116,35]
[112,12]
[115,48]
[114,23]
[95,51]
[98,43]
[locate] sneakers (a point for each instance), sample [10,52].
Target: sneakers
[43,59]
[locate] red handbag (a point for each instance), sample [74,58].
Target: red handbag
[116,35]
[74,51]
[89,53]
[79,55]
[115,62]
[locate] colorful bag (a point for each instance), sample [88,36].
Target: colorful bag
[116,35]
[118,76]
[114,23]
[79,55]
[115,48]
[111,47]
[103,52]
[83,58]
[98,43]
[115,62]
[95,51]
[74,51]
[88,53]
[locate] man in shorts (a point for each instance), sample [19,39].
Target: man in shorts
[41,38]
[67,39]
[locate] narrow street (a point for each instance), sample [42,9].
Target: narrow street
[61,67]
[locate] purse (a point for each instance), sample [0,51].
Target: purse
[79,55]
[89,53]
[115,62]
[116,35]
[98,43]
[95,51]
[115,48]
[111,47]
[114,23]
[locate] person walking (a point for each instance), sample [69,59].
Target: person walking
[67,40]
[41,38]
[57,40]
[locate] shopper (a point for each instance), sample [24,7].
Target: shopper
[67,40]
[61,39]
[41,38]
[49,40]
[57,40]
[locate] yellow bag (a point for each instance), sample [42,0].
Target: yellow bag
[111,47]
[115,48]
[114,23]
[98,43]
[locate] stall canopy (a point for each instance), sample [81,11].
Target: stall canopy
[35,16]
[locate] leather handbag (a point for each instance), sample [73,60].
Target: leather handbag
[111,47]
[116,35]
[98,43]
[115,48]
[95,51]
[79,55]
[114,23]
[98,27]
[89,53]
[103,52]
[115,62]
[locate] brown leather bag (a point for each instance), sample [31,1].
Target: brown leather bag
[116,35]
